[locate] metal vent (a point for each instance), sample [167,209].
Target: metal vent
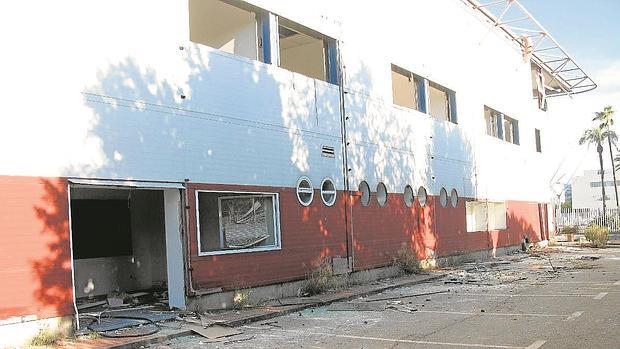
[328,152]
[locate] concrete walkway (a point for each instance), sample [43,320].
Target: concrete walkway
[566,297]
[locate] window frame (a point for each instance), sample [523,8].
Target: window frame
[243,194]
[263,33]
[450,97]
[331,65]
[419,96]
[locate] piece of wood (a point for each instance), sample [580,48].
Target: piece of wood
[91,305]
[214,331]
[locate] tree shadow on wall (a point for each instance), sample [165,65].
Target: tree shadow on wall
[400,147]
[53,271]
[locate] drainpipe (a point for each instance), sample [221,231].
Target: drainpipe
[189,285]
[345,162]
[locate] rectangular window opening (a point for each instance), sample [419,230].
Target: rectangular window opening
[237,222]
[305,52]
[511,130]
[405,88]
[216,24]
[537,136]
[538,87]
[492,118]
[483,216]
[442,103]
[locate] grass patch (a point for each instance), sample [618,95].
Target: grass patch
[241,298]
[319,279]
[407,262]
[46,337]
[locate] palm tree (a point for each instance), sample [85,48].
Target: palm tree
[606,119]
[596,136]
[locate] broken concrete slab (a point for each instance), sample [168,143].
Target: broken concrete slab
[214,331]
[356,306]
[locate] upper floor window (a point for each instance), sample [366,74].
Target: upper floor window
[307,52]
[501,126]
[228,28]
[511,130]
[407,88]
[538,86]
[441,102]
[537,136]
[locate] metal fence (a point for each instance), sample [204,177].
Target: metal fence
[582,217]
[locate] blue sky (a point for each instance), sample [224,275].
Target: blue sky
[589,30]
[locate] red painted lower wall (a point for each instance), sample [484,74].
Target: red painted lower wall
[308,233]
[35,260]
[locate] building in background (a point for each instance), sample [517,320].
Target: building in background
[204,146]
[586,190]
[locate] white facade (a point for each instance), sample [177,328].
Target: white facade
[119,91]
[586,190]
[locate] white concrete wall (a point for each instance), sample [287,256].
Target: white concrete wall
[86,98]
[587,190]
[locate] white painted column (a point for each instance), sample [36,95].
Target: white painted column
[174,249]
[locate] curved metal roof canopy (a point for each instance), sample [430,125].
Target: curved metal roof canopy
[563,75]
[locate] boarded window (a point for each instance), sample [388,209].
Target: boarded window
[224,27]
[405,88]
[482,216]
[237,221]
[305,52]
[537,136]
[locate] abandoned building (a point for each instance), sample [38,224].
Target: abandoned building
[191,148]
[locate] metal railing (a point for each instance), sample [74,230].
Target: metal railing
[582,217]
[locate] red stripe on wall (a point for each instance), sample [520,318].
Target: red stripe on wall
[308,233]
[35,263]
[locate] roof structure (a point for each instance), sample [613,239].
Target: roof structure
[563,75]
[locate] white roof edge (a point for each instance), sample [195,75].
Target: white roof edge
[514,20]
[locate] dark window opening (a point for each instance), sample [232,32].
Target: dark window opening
[100,228]
[538,145]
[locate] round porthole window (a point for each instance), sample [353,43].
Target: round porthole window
[408,196]
[365,190]
[422,196]
[443,197]
[328,192]
[454,198]
[305,192]
[382,194]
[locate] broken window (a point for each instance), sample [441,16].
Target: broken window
[442,103]
[306,52]
[538,86]
[237,221]
[228,28]
[492,118]
[537,136]
[483,216]
[511,130]
[406,88]
[501,126]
